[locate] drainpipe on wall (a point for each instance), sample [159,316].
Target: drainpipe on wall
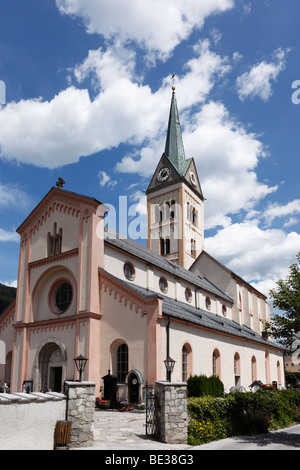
[168,339]
[196,299]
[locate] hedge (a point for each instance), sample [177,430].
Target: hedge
[247,413]
[201,385]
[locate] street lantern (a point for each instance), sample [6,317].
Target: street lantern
[169,363]
[80,362]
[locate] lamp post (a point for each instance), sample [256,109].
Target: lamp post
[169,363]
[80,362]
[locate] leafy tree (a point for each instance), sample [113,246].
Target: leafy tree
[286,297]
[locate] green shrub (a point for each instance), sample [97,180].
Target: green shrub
[201,385]
[241,414]
[200,432]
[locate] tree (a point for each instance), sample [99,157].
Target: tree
[286,297]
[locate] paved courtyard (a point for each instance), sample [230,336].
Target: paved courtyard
[126,431]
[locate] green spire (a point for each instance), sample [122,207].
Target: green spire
[174,144]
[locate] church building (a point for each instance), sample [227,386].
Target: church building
[85,289]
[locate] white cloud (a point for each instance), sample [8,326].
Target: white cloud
[107,66]
[276,210]
[13,197]
[226,156]
[105,179]
[10,283]
[260,256]
[53,133]
[258,80]
[156,25]
[6,236]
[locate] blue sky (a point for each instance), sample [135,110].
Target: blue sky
[87,96]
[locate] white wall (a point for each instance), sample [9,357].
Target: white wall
[28,420]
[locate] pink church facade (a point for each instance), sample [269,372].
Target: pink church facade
[75,297]
[84,289]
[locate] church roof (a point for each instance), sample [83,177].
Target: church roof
[139,251]
[197,316]
[174,148]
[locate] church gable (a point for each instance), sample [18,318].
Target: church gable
[164,175]
[191,178]
[53,226]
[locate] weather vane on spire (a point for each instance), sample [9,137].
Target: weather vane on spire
[173,80]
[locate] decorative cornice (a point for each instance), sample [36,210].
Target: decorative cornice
[61,201]
[7,316]
[126,294]
[57,323]
[53,259]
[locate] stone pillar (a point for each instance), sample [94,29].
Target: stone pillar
[171,412]
[81,412]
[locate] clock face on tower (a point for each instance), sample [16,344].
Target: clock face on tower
[193,178]
[163,174]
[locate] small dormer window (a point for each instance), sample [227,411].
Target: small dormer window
[163,285]
[129,271]
[188,294]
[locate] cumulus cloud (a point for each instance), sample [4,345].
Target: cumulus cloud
[260,256]
[53,133]
[105,179]
[258,80]
[13,197]
[277,210]
[10,283]
[156,25]
[6,236]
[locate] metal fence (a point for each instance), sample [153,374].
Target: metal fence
[150,412]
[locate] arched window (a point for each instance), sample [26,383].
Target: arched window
[194,216]
[216,369]
[164,246]
[278,373]
[237,370]
[54,241]
[253,369]
[188,211]
[167,210]
[193,247]
[267,366]
[186,362]
[122,362]
[172,209]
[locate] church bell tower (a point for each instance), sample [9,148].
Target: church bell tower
[175,200]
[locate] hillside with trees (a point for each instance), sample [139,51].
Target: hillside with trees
[7,295]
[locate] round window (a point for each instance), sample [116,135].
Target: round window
[163,285]
[63,297]
[207,303]
[188,294]
[224,310]
[129,271]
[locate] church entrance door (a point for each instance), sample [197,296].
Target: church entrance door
[51,367]
[133,388]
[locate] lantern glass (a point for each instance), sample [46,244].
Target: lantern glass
[169,363]
[80,362]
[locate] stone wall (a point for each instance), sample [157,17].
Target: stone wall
[171,412]
[81,412]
